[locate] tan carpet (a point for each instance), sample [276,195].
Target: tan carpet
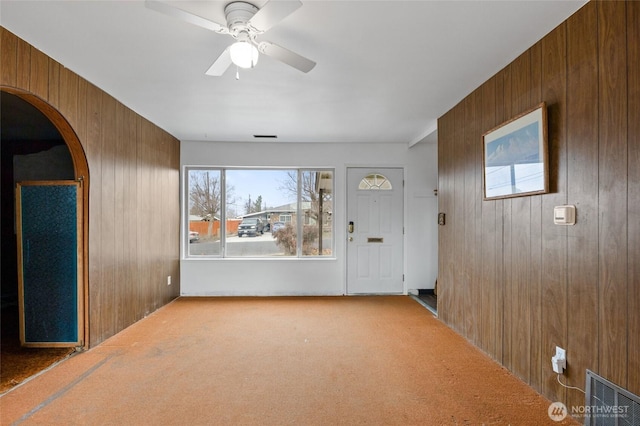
[17,363]
[280,361]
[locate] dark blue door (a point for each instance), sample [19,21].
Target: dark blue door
[49,241]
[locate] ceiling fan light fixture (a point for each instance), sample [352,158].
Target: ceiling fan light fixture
[244,22]
[244,54]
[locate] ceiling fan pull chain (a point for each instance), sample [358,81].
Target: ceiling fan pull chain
[237,73]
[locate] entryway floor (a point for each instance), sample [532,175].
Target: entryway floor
[18,364]
[429,301]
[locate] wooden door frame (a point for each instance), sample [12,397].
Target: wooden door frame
[81,173]
[22,284]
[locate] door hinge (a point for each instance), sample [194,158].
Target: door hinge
[402,277]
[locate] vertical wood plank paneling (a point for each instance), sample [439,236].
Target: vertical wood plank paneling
[470,296]
[144,209]
[8,58]
[93,152]
[554,238]
[132,200]
[162,174]
[121,161]
[165,182]
[520,239]
[39,75]
[68,90]
[24,64]
[578,287]
[175,254]
[131,154]
[141,230]
[582,171]
[160,282]
[81,125]
[535,272]
[53,95]
[459,216]
[171,238]
[155,282]
[633,311]
[121,219]
[450,227]
[507,243]
[612,178]
[108,242]
[507,303]
[488,237]
[476,296]
[500,117]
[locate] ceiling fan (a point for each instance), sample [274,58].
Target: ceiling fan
[244,23]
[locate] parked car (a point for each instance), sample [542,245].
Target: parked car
[193,236]
[276,226]
[251,226]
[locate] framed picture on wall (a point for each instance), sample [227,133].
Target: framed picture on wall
[515,156]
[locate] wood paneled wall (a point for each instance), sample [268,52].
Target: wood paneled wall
[134,212]
[511,281]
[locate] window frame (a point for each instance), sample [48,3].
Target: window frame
[299,214]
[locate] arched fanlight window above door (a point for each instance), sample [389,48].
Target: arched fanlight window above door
[375,181]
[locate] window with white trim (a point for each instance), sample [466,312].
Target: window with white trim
[232,212]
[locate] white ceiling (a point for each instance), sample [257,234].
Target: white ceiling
[386,70]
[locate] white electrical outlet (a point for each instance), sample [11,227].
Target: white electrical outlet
[168,279]
[559,360]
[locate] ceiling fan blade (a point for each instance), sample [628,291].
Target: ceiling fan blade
[189,17]
[273,12]
[285,55]
[220,65]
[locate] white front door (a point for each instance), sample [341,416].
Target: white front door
[375,199]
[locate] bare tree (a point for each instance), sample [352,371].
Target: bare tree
[309,190]
[320,200]
[204,193]
[205,197]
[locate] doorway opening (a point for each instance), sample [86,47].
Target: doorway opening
[35,145]
[429,299]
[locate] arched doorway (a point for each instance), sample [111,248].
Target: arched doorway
[38,144]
